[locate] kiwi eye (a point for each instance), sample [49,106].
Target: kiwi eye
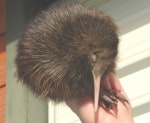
[94,57]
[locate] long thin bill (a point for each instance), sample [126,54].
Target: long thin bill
[97,80]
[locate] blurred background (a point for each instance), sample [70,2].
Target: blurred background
[19,105]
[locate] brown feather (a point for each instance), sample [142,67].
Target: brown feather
[54,54]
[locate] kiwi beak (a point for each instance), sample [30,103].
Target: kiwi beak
[97,80]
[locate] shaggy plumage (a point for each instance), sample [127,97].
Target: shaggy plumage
[64,49]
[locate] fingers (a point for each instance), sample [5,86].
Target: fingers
[111,81]
[106,84]
[114,82]
[116,85]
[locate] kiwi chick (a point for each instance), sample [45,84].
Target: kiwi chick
[66,51]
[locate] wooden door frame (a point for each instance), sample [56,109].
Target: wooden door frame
[2,61]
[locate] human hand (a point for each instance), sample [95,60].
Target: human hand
[84,108]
